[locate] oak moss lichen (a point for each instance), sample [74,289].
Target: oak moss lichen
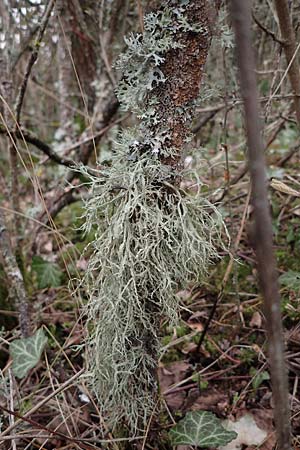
[151,238]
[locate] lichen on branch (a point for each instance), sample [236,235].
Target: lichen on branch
[163,67]
[151,236]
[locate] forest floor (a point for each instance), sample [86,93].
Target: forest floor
[228,375]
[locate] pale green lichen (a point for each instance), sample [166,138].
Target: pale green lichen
[151,236]
[145,53]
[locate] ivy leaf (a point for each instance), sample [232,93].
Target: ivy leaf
[291,279]
[48,273]
[201,428]
[26,352]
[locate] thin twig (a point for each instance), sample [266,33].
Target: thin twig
[241,17]
[42,402]
[11,397]
[44,428]
[33,58]
[267,31]
[226,276]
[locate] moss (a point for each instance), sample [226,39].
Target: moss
[182,330]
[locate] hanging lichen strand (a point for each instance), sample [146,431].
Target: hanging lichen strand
[151,236]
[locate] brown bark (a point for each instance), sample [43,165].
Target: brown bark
[183,70]
[289,45]
[241,15]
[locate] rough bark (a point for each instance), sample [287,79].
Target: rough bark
[241,15]
[183,69]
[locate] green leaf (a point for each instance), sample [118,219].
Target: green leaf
[201,428]
[291,279]
[258,378]
[48,273]
[26,353]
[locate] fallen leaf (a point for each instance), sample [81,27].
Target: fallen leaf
[256,320]
[247,430]
[209,400]
[173,374]
[197,326]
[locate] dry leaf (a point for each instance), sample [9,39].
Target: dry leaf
[248,433]
[256,320]
[197,326]
[284,188]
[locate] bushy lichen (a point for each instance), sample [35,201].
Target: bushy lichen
[151,238]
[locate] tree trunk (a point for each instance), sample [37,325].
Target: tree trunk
[151,236]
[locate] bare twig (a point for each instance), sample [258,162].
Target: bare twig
[31,138]
[266,30]
[244,169]
[11,396]
[33,58]
[288,34]
[220,296]
[241,16]
[295,149]
[26,46]
[43,402]
[52,432]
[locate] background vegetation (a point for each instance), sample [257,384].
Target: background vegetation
[65,112]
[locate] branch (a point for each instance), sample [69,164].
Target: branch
[266,30]
[15,278]
[34,140]
[295,149]
[288,34]
[26,46]
[31,138]
[32,59]
[241,17]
